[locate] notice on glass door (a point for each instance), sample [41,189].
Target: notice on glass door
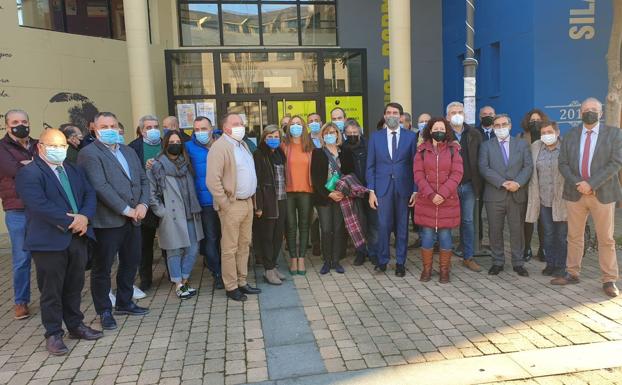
[186,114]
[208,110]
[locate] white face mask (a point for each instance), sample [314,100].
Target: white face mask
[457,120]
[502,133]
[549,139]
[238,133]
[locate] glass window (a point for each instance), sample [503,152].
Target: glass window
[279,24]
[193,74]
[319,26]
[45,14]
[199,24]
[186,110]
[343,72]
[240,24]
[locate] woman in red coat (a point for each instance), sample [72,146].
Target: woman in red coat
[438,172]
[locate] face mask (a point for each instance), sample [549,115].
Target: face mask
[502,133]
[589,117]
[295,130]
[174,148]
[457,120]
[392,122]
[534,126]
[315,127]
[420,126]
[273,143]
[108,136]
[153,135]
[238,133]
[549,139]
[439,136]
[340,124]
[487,121]
[202,136]
[21,131]
[166,130]
[120,139]
[353,139]
[330,138]
[55,155]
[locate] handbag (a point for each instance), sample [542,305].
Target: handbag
[331,183]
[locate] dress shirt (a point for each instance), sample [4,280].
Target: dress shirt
[488,132]
[593,138]
[246,183]
[390,138]
[506,145]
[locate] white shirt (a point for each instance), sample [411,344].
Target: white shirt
[390,139]
[593,138]
[246,183]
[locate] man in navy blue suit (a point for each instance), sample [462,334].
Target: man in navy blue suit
[390,178]
[59,202]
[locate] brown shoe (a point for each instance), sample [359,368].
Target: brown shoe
[427,256]
[445,265]
[471,265]
[567,279]
[21,311]
[610,289]
[84,332]
[55,345]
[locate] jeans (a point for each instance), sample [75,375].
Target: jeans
[428,237]
[298,216]
[15,221]
[333,232]
[210,244]
[555,239]
[467,228]
[181,261]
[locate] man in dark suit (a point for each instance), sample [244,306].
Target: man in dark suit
[391,183]
[59,202]
[122,190]
[505,163]
[590,159]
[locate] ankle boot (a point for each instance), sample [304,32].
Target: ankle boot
[445,265]
[427,256]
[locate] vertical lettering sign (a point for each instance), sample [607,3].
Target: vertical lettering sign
[384,12]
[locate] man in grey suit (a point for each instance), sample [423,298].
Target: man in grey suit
[505,164]
[122,189]
[590,159]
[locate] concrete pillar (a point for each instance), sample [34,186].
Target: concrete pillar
[399,53]
[139,60]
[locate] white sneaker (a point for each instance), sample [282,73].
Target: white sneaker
[138,294]
[113,298]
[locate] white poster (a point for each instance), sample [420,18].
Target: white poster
[207,109]
[186,114]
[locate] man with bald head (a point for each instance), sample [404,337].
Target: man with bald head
[59,203]
[171,123]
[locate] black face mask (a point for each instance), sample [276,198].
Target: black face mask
[174,148]
[589,117]
[353,139]
[534,126]
[21,131]
[487,121]
[439,136]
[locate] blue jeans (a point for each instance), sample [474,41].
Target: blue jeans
[428,237]
[555,239]
[181,261]
[15,221]
[210,244]
[467,228]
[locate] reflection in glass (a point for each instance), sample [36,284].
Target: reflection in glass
[198,107]
[40,14]
[240,24]
[279,24]
[199,24]
[254,118]
[319,26]
[193,73]
[343,72]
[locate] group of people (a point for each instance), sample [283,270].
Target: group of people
[74,202]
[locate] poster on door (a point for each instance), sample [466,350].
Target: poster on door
[208,110]
[185,114]
[352,105]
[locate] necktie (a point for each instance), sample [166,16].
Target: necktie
[488,134]
[505,153]
[64,181]
[393,144]
[585,161]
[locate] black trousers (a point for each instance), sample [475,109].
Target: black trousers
[126,241]
[270,237]
[60,277]
[145,271]
[333,232]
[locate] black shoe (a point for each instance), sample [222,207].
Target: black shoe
[218,283]
[381,268]
[247,289]
[520,270]
[495,270]
[400,270]
[338,268]
[84,332]
[236,295]
[131,309]
[107,320]
[55,345]
[548,271]
[144,286]
[373,259]
[541,256]
[528,255]
[359,260]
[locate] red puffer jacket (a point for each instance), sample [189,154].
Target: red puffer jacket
[11,155]
[438,171]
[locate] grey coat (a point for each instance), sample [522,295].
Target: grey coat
[170,208]
[560,214]
[495,172]
[606,162]
[115,189]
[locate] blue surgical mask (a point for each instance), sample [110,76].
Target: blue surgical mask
[330,138]
[120,139]
[340,124]
[202,136]
[108,136]
[295,130]
[273,143]
[217,132]
[420,126]
[315,127]
[166,130]
[55,155]
[153,135]
[316,142]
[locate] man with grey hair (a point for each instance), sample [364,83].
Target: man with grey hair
[591,187]
[17,149]
[486,117]
[171,123]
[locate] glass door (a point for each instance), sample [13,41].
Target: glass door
[254,113]
[291,106]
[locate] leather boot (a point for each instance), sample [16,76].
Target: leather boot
[445,265]
[427,256]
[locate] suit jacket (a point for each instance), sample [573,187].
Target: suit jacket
[494,171]
[484,136]
[381,168]
[606,162]
[473,141]
[47,204]
[115,190]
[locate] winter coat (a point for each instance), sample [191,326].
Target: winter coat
[198,157]
[265,197]
[11,156]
